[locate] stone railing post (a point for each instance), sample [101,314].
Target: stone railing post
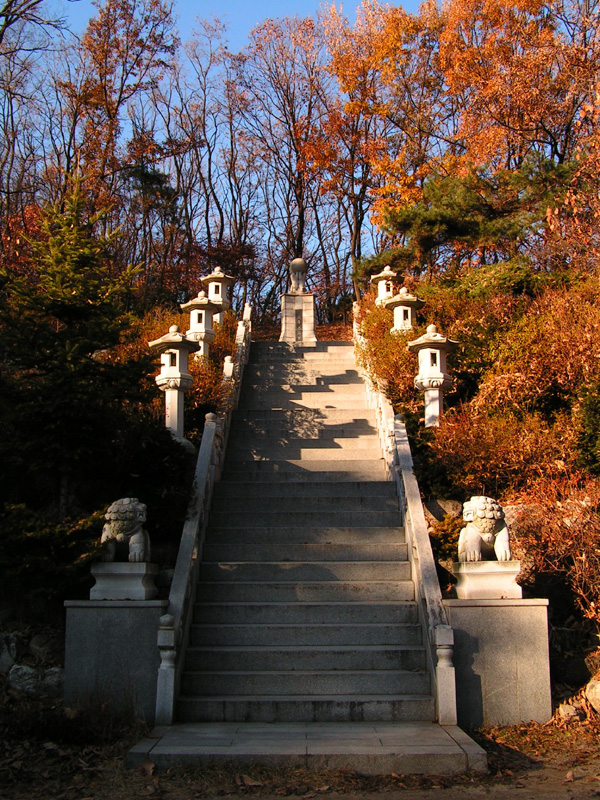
[167,676]
[445,677]
[228,368]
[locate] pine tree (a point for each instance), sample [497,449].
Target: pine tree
[61,389]
[477,218]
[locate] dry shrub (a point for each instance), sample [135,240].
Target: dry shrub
[554,348]
[500,455]
[477,324]
[508,391]
[334,332]
[385,357]
[207,393]
[444,535]
[559,538]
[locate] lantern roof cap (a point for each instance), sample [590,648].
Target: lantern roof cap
[173,340]
[387,274]
[404,298]
[201,301]
[217,276]
[432,339]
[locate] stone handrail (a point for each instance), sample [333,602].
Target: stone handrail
[174,626]
[438,635]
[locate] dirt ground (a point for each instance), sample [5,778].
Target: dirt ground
[52,753]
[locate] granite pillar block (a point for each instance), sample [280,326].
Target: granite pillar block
[111,654]
[501,661]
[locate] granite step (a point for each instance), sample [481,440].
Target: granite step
[329,502]
[304,450]
[275,657]
[351,385]
[309,519]
[247,490]
[281,430]
[302,634]
[345,368]
[219,549]
[291,400]
[285,417]
[302,535]
[309,682]
[297,571]
[321,591]
[346,470]
[352,620]
[253,658]
[311,708]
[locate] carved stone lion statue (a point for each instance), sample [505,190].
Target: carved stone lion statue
[124,534]
[485,532]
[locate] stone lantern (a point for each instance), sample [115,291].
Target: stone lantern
[298,308]
[432,349]
[218,286]
[385,284]
[405,307]
[202,313]
[174,378]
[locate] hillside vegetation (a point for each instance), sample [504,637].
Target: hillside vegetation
[460,145]
[522,421]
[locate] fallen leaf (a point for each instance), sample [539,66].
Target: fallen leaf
[323,789]
[147,768]
[248,781]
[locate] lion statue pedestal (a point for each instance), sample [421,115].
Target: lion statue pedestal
[123,581]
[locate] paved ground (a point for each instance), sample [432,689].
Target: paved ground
[374,748]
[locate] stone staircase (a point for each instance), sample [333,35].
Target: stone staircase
[305,608]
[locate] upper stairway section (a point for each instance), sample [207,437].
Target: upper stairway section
[281,376]
[303,414]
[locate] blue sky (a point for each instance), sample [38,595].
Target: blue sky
[241,15]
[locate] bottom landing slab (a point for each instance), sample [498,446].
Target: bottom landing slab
[372,748]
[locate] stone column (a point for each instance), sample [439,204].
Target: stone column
[384,282]
[174,378]
[298,308]
[432,378]
[218,285]
[202,313]
[405,307]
